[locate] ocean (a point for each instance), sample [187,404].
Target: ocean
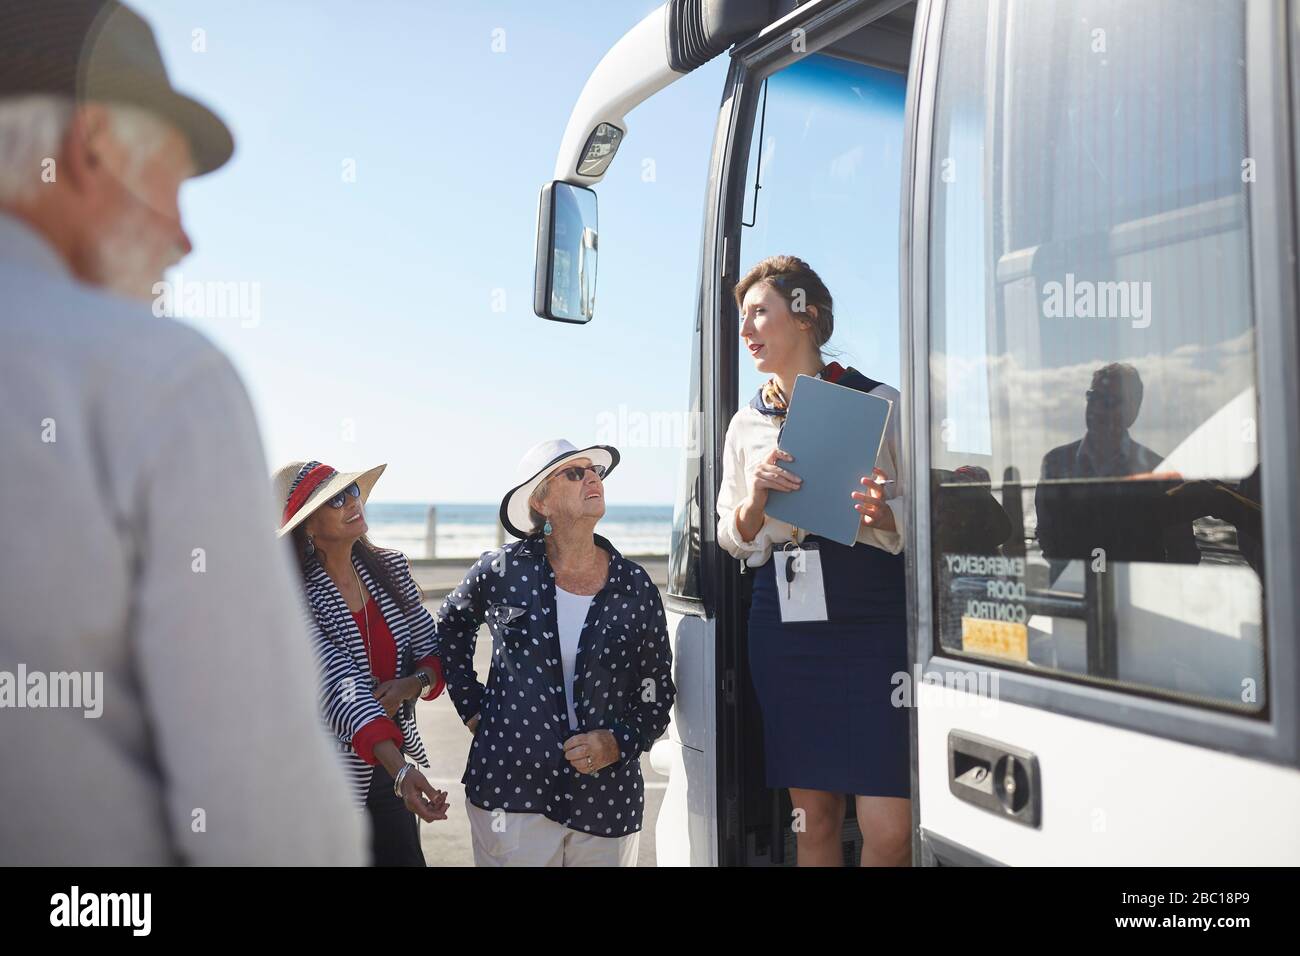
[466,531]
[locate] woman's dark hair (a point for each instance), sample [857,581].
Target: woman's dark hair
[371,558]
[797,283]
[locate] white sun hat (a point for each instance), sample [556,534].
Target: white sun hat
[538,462]
[303,486]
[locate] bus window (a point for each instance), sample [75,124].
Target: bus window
[1095,505]
[827,174]
[684,554]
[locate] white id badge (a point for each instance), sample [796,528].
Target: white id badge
[799,583]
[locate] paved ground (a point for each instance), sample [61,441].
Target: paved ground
[447,842]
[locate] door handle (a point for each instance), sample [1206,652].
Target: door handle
[996,777]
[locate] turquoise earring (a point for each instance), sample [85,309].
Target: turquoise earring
[546,528]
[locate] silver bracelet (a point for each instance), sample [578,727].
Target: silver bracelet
[401,775]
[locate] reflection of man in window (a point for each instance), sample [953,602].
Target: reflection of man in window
[1128,520]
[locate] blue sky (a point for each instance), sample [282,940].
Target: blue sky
[377,338]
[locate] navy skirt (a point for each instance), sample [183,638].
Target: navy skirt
[825,688]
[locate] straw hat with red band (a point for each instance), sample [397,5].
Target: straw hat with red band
[303,486]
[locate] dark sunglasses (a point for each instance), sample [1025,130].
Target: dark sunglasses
[578,472]
[1106,399]
[338,500]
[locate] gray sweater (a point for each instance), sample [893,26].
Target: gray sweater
[138,551]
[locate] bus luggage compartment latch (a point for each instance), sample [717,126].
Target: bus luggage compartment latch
[995,777]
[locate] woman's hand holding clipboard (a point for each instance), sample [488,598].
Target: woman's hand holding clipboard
[831,438]
[871,503]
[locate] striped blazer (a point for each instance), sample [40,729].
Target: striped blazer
[344,668]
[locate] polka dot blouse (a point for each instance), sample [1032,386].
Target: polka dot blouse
[622,683]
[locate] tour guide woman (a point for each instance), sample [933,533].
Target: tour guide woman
[374,641]
[823,687]
[581,677]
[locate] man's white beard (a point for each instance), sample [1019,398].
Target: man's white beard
[127,264]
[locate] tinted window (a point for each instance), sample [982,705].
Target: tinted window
[1095,487]
[684,553]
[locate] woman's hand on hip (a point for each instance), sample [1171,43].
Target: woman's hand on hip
[871,503]
[588,753]
[422,799]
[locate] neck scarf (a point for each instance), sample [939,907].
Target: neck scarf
[776,401]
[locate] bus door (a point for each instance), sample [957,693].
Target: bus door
[813,168]
[1101,368]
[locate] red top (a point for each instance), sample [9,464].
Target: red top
[383,664]
[383,649]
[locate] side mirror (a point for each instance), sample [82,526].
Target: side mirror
[564,284]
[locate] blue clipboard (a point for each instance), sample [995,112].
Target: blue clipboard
[834,433]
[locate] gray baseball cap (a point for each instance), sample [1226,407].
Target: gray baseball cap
[101,51]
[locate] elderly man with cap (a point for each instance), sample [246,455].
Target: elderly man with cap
[581,677]
[140,559]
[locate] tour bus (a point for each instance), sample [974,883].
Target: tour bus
[1045,222]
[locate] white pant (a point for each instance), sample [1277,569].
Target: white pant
[530,839]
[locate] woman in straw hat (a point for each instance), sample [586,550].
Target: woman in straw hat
[581,679]
[374,641]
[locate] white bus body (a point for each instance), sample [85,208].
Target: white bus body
[1115,679]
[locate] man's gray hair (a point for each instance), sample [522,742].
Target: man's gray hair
[32,129]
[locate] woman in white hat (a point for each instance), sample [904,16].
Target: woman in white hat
[374,640]
[581,678]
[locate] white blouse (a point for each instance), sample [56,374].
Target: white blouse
[751,436]
[571,611]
